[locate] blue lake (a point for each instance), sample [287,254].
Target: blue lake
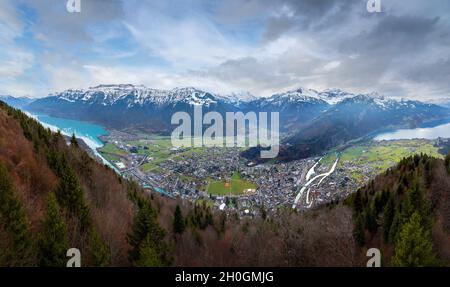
[88,132]
[442,131]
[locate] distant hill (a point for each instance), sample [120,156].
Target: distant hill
[19,102]
[353,118]
[356,117]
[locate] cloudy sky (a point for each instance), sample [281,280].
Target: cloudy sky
[260,46]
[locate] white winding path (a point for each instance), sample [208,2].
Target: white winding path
[309,182]
[311,171]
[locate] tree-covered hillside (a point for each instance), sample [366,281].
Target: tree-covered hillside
[406,212]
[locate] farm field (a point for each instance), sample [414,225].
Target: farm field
[112,152]
[376,157]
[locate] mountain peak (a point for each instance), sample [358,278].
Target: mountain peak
[330,96]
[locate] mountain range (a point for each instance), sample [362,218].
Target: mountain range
[357,117]
[311,121]
[19,102]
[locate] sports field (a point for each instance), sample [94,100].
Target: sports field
[235,186]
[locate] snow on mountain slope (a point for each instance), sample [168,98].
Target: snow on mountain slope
[138,95]
[330,96]
[108,95]
[238,98]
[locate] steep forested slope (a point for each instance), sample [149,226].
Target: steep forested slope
[54,197]
[406,212]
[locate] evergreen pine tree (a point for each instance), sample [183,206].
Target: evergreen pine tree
[53,237]
[147,232]
[371,218]
[178,221]
[414,247]
[447,163]
[70,195]
[357,202]
[73,141]
[395,226]
[388,216]
[148,254]
[99,250]
[263,212]
[223,222]
[358,231]
[14,220]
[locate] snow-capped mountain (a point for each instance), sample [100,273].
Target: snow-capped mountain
[139,96]
[330,96]
[295,107]
[443,101]
[130,106]
[238,98]
[386,104]
[334,96]
[108,95]
[301,110]
[356,117]
[294,97]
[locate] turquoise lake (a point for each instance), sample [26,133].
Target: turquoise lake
[88,132]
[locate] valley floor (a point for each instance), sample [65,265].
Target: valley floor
[223,179]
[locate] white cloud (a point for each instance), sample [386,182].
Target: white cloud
[257,45]
[14,61]
[185,44]
[331,66]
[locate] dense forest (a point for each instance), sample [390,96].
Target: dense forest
[54,196]
[406,212]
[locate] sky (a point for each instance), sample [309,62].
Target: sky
[224,46]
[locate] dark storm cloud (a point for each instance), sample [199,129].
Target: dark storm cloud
[245,72]
[396,46]
[396,35]
[308,14]
[387,47]
[436,72]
